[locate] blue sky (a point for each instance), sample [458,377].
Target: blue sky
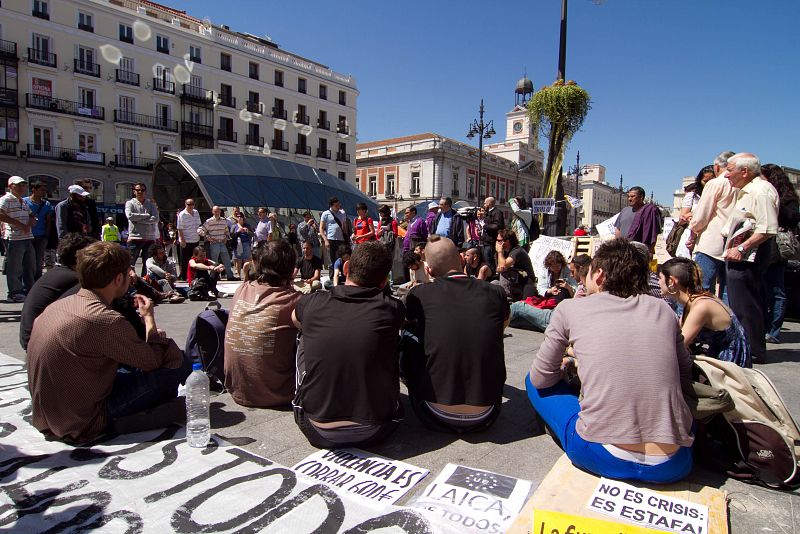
[673,83]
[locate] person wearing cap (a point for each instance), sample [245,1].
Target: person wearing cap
[72,215]
[110,231]
[18,221]
[43,211]
[430,217]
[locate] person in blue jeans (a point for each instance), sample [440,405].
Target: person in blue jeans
[631,421]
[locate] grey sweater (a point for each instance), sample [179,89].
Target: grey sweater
[142,219]
[631,362]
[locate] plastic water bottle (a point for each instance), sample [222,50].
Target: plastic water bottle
[198,418]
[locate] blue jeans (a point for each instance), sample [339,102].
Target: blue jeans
[140,246]
[529,317]
[20,266]
[712,270]
[39,247]
[559,407]
[218,253]
[774,299]
[136,391]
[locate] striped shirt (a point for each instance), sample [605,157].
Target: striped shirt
[216,230]
[16,208]
[189,223]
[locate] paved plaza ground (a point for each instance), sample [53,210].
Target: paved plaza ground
[515,445]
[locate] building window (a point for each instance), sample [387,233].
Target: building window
[373,186]
[253,69]
[87,97]
[358,182]
[225,61]
[493,189]
[85,21]
[415,183]
[455,184]
[162,44]
[483,186]
[127,151]
[301,85]
[42,138]
[126,33]
[164,114]
[41,9]
[471,186]
[160,149]
[342,98]
[390,185]
[226,129]
[123,192]
[502,199]
[195,54]
[87,142]
[342,175]
[279,78]
[323,92]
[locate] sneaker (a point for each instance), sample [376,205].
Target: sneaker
[770,339]
[176,299]
[19,298]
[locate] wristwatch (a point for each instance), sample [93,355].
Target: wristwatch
[741,249]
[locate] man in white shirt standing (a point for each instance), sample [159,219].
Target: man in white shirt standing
[18,221]
[263,227]
[187,225]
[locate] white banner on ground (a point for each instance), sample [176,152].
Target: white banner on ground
[606,229]
[648,508]
[542,246]
[473,500]
[373,479]
[153,482]
[543,205]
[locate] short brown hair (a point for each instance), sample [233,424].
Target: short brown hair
[101,262]
[625,269]
[370,264]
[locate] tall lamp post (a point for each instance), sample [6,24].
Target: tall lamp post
[577,171]
[483,131]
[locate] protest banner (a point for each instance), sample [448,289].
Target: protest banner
[648,508]
[373,479]
[548,522]
[543,205]
[606,229]
[473,500]
[542,246]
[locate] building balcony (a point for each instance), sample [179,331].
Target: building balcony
[323,125]
[343,129]
[86,27]
[132,162]
[196,59]
[254,140]
[40,13]
[162,49]
[228,101]
[227,136]
[67,107]
[65,154]
[279,113]
[126,38]
[255,107]
[322,153]
[341,156]
[200,130]
[127,77]
[197,94]
[8,50]
[88,68]
[145,121]
[8,97]
[302,119]
[302,150]
[163,86]
[8,148]
[280,145]
[42,57]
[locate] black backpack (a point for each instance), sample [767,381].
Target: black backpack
[198,290]
[205,343]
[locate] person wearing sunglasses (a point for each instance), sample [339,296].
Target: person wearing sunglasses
[142,214]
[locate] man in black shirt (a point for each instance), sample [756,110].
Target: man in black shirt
[493,222]
[514,266]
[453,359]
[348,387]
[308,268]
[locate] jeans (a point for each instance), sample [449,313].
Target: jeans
[140,246]
[136,391]
[20,266]
[559,407]
[333,248]
[218,253]
[40,247]
[247,252]
[712,270]
[354,436]
[529,317]
[774,299]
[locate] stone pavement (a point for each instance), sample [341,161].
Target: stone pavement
[515,445]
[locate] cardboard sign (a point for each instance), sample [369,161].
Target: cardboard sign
[472,500]
[370,478]
[606,229]
[547,522]
[542,246]
[543,205]
[648,508]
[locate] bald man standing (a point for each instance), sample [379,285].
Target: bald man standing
[455,381]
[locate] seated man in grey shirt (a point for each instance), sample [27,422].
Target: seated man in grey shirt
[631,421]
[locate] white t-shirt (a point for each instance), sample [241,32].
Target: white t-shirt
[16,208]
[189,223]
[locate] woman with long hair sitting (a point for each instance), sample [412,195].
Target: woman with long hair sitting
[708,325]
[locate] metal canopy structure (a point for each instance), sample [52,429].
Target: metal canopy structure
[248,180]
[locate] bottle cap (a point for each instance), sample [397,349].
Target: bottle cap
[197,366]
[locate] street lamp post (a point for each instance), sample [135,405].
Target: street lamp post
[483,131]
[577,171]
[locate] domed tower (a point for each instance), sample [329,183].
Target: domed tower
[523,92]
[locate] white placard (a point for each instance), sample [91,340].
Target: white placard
[543,205]
[648,508]
[606,229]
[372,479]
[542,246]
[473,500]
